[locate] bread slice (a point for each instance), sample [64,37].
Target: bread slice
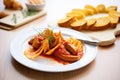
[90,23]
[101,24]
[114,13]
[80,12]
[92,8]
[79,24]
[66,21]
[101,8]
[89,11]
[113,21]
[76,14]
[111,8]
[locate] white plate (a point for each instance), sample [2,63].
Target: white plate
[20,43]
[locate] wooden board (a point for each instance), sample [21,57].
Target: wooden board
[20,18]
[106,37]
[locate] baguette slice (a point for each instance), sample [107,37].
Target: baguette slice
[89,11]
[77,15]
[90,23]
[111,8]
[101,8]
[113,21]
[101,24]
[66,21]
[92,8]
[80,12]
[79,24]
[114,13]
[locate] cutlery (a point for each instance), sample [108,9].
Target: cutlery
[91,42]
[87,41]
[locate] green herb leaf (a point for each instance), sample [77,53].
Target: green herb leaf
[48,34]
[14,18]
[51,39]
[27,13]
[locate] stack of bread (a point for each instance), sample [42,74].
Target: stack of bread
[77,18]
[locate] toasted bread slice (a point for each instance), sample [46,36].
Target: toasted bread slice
[79,24]
[111,8]
[90,23]
[113,21]
[80,12]
[89,11]
[101,24]
[101,8]
[114,13]
[66,21]
[92,8]
[77,15]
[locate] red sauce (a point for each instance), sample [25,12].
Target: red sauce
[56,59]
[60,60]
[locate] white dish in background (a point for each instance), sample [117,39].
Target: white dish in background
[20,43]
[37,7]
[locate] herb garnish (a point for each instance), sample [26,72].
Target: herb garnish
[14,18]
[27,13]
[48,34]
[51,39]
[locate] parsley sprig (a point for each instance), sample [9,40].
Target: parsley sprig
[27,13]
[14,18]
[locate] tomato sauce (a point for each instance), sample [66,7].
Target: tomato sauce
[56,59]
